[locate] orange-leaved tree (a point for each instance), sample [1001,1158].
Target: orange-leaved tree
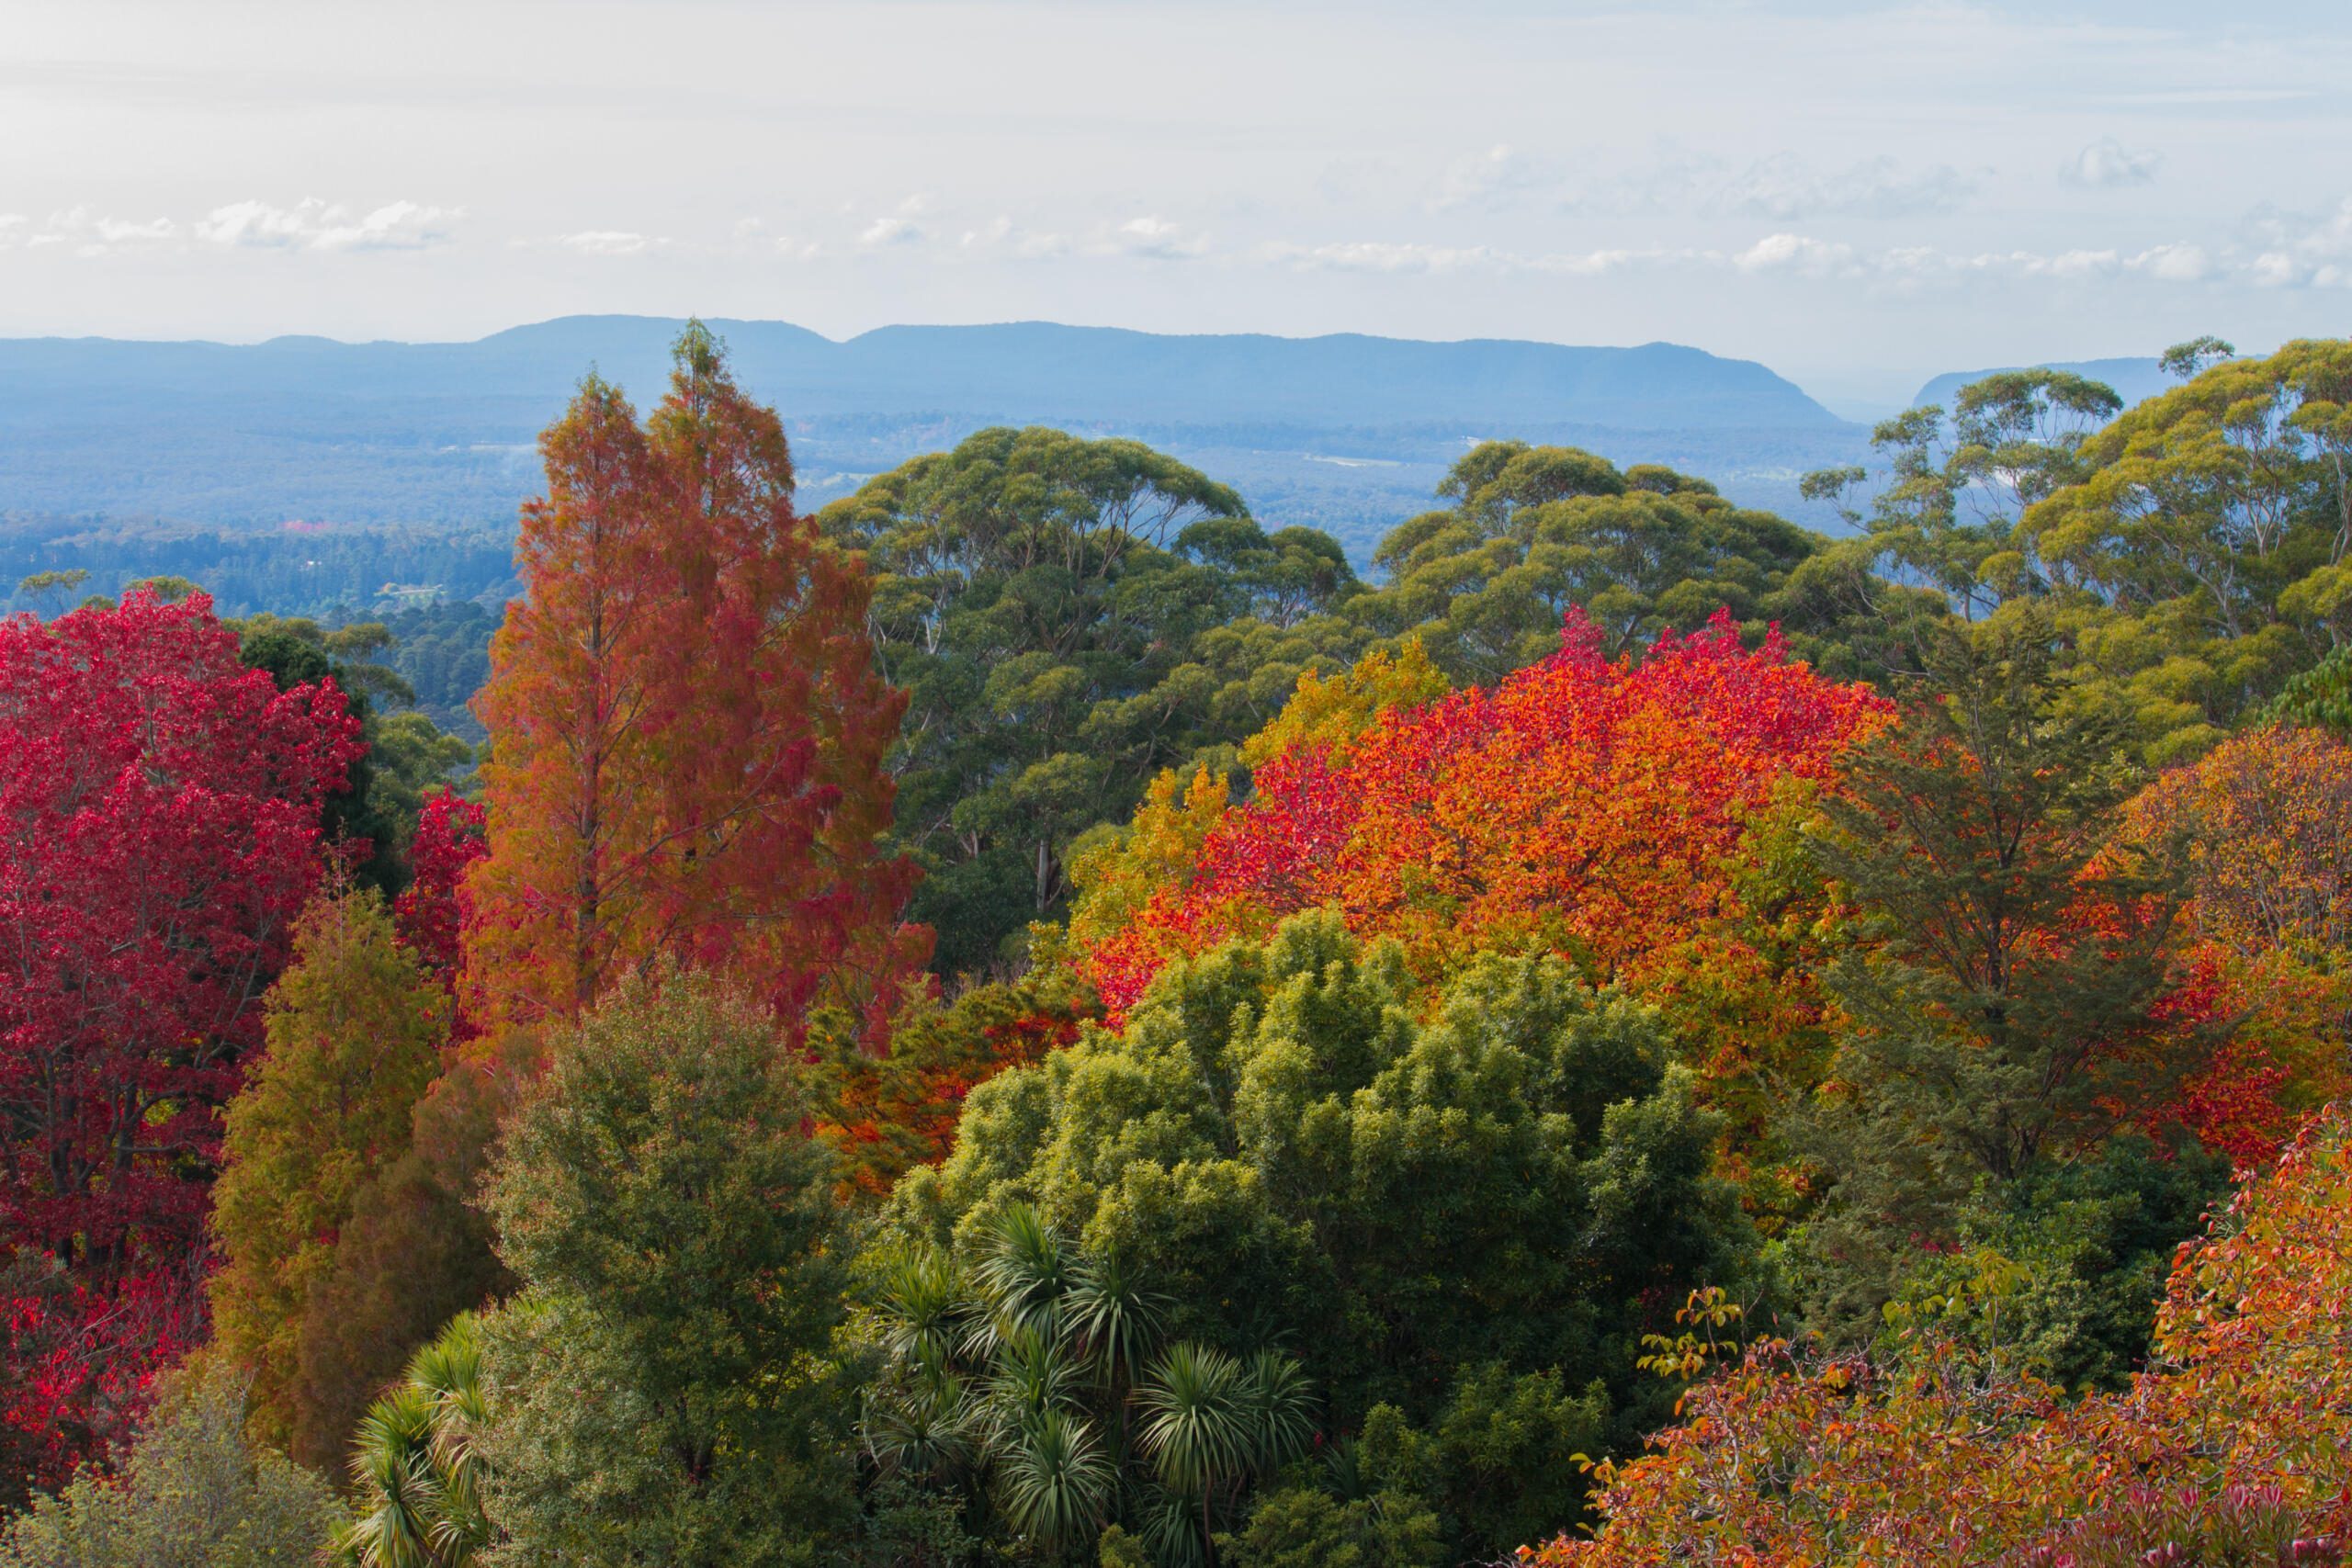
[2234,1446]
[1584,805]
[687,732]
[2264,823]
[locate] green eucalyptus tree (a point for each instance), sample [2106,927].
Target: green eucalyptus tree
[1533,531]
[2204,556]
[1068,617]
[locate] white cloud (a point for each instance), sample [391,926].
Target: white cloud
[1002,236]
[1784,188]
[889,232]
[2174,264]
[93,233]
[2107,162]
[2299,249]
[610,242]
[1373,255]
[1782,254]
[1385,256]
[1798,253]
[751,235]
[898,227]
[311,224]
[1154,238]
[1494,178]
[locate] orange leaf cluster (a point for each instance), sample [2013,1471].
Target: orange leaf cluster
[1584,805]
[2264,820]
[2237,1446]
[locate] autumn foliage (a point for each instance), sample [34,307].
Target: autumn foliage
[1583,805]
[431,911]
[161,809]
[687,731]
[2264,822]
[2236,1440]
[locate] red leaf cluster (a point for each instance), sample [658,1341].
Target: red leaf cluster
[1586,804]
[160,806]
[432,911]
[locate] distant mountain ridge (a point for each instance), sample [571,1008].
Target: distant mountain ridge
[1029,369]
[2131,379]
[1349,433]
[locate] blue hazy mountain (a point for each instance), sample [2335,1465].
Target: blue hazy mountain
[1347,433]
[2131,379]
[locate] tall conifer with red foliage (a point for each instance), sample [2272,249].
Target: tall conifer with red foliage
[688,731]
[159,827]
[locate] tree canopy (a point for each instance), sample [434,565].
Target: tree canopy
[1067,618]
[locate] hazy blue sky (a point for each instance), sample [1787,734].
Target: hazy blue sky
[1858,195]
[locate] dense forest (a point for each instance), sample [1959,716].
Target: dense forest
[1022,1016]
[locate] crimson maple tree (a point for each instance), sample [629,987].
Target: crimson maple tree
[160,804]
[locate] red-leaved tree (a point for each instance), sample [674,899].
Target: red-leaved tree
[160,805]
[1586,804]
[689,733]
[431,912]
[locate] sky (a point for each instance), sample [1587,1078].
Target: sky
[1858,195]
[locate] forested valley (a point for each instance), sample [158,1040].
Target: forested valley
[1022,1017]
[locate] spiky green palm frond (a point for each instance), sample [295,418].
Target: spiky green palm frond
[925,1310]
[391,1468]
[1112,1316]
[1053,1479]
[1277,1410]
[1192,1429]
[1027,1270]
[416,1465]
[922,1428]
[1031,1375]
[1171,1527]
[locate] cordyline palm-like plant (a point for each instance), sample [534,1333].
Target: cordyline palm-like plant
[1034,1382]
[414,1466]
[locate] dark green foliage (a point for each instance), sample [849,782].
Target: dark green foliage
[407,754]
[1035,1384]
[193,1492]
[443,652]
[2060,1271]
[1469,1221]
[666,1386]
[2319,698]
[2001,1004]
[1067,618]
[1535,530]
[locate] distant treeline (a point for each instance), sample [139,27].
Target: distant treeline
[285,571]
